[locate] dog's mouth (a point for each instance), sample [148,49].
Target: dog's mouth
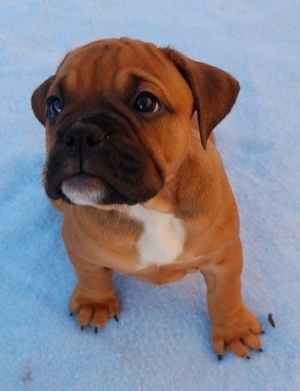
[83,189]
[88,190]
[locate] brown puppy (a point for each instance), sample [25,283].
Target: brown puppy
[141,187]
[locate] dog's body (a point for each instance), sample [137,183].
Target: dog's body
[139,181]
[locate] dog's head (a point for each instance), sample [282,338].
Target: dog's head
[117,116]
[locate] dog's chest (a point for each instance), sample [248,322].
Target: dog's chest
[162,239]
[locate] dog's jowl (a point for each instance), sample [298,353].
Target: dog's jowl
[132,165]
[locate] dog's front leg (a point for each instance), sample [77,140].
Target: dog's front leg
[234,327]
[94,300]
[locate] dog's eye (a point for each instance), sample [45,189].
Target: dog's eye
[55,106]
[146,103]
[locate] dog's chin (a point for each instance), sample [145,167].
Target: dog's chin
[83,190]
[87,190]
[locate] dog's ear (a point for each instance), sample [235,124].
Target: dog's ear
[38,100]
[214,91]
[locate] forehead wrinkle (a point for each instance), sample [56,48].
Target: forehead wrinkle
[149,50]
[76,73]
[95,67]
[143,77]
[84,77]
[65,85]
[135,70]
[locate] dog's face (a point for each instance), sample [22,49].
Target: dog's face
[117,116]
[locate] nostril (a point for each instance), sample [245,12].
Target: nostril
[92,140]
[69,140]
[79,137]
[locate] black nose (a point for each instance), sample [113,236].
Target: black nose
[81,137]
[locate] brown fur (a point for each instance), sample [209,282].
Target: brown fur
[195,189]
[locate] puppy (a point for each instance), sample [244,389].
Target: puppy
[132,166]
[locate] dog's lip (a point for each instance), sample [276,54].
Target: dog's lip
[82,183]
[83,180]
[82,189]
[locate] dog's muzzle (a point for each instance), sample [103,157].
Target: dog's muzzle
[97,159]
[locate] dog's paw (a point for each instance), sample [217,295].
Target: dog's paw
[238,334]
[94,310]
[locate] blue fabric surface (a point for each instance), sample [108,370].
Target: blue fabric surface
[161,342]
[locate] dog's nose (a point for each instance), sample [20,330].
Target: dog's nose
[80,138]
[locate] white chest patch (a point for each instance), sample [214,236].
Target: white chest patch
[162,239]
